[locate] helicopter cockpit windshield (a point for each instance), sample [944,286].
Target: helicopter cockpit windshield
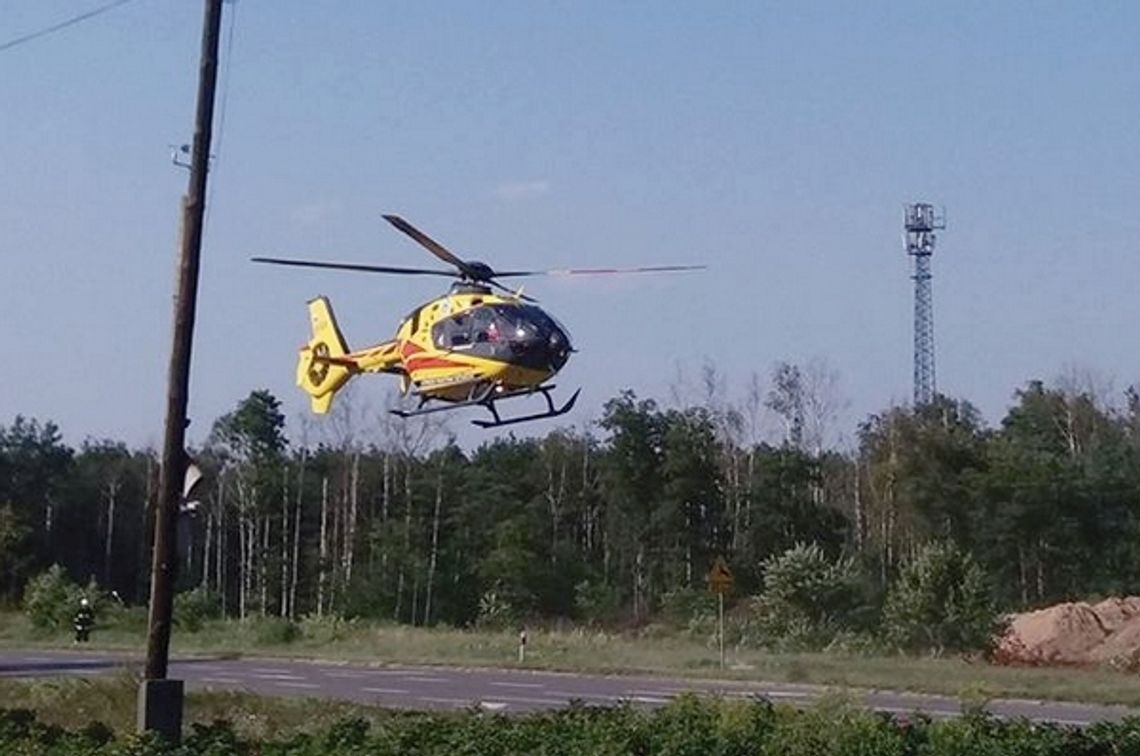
[517,333]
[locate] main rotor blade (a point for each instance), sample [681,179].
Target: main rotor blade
[599,271]
[354,266]
[431,245]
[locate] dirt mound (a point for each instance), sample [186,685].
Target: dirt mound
[1074,633]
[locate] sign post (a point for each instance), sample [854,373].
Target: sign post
[720,626]
[720,582]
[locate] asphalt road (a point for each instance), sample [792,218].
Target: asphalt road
[404,686]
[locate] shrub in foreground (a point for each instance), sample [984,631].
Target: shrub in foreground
[689,725]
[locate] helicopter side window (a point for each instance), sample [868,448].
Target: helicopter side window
[452,333]
[485,326]
[460,331]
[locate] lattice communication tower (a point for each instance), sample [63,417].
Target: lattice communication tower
[921,220]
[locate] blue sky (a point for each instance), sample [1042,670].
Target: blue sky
[776,142]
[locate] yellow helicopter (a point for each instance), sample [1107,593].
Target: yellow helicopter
[469,347]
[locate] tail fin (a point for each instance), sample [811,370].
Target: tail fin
[319,373]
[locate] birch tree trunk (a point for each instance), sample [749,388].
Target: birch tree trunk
[222,554]
[385,506]
[350,524]
[262,558]
[322,574]
[207,550]
[243,548]
[112,495]
[407,555]
[434,541]
[587,506]
[554,496]
[297,536]
[283,595]
[638,582]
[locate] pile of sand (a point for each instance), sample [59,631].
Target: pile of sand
[1074,633]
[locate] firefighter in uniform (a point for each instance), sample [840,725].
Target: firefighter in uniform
[84,621]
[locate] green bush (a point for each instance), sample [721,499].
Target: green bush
[194,607]
[52,598]
[807,598]
[328,628]
[596,601]
[496,611]
[126,618]
[941,602]
[692,610]
[274,631]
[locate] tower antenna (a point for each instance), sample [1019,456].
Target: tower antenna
[921,220]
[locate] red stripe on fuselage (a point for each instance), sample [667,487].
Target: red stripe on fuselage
[423,363]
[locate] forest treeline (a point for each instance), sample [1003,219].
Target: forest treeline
[378,517]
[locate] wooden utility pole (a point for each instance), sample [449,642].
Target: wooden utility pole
[160,700]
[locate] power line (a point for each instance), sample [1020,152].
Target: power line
[61,25]
[220,131]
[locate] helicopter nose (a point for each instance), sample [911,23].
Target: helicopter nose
[558,348]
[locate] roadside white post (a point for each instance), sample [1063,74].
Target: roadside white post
[522,645]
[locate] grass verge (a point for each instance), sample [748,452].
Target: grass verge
[599,652]
[69,701]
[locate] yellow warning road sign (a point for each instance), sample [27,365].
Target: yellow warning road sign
[720,577]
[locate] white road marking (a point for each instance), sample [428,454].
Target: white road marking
[36,659]
[412,678]
[518,685]
[771,694]
[570,695]
[649,700]
[392,691]
[524,699]
[278,677]
[939,713]
[224,680]
[493,705]
[297,685]
[345,675]
[267,671]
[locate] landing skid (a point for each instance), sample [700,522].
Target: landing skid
[551,410]
[486,396]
